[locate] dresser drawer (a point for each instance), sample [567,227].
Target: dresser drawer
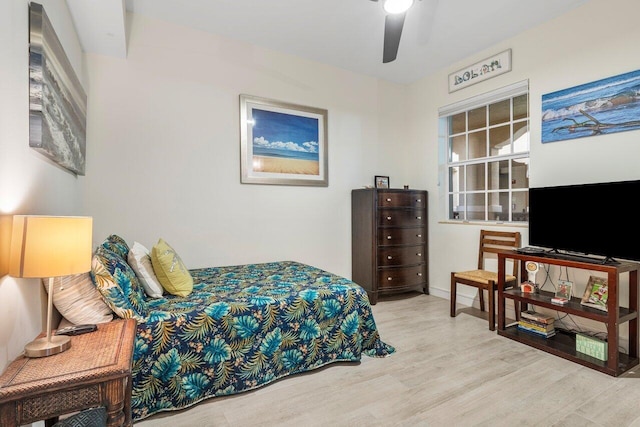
[401,236]
[400,255]
[402,276]
[401,217]
[393,199]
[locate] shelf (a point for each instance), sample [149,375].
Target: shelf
[563,344]
[543,299]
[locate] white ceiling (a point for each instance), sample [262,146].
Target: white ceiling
[343,33]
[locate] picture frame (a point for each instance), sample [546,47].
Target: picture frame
[282,143]
[492,66]
[564,289]
[57,100]
[381,181]
[596,293]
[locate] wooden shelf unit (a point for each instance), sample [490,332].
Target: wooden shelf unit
[563,344]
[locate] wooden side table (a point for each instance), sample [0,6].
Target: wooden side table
[95,371]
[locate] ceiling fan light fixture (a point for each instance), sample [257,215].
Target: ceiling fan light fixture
[397,6]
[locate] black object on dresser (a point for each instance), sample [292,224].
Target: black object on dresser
[389,241]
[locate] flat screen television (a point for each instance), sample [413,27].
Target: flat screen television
[588,219]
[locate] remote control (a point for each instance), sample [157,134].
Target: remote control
[76,330]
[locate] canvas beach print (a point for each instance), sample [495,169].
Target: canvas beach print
[282,143]
[57,101]
[605,106]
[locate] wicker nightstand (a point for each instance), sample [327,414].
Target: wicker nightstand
[95,371]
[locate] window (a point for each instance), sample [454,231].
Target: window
[484,145]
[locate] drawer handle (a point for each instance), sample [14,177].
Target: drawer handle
[419,254]
[420,274]
[389,279]
[419,201]
[388,218]
[388,200]
[418,235]
[388,237]
[389,257]
[418,217]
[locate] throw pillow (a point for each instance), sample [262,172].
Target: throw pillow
[78,300]
[118,285]
[140,260]
[117,245]
[170,270]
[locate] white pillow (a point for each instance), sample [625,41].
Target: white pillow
[78,299]
[140,261]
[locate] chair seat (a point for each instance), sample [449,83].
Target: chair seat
[483,276]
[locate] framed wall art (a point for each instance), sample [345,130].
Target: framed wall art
[480,71]
[601,107]
[282,143]
[57,101]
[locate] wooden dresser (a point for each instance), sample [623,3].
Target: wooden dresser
[389,241]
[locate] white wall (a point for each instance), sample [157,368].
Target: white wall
[164,152]
[29,183]
[594,41]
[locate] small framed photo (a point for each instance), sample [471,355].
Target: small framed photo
[564,289]
[596,294]
[382,181]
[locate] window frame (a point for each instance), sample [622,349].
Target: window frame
[514,193]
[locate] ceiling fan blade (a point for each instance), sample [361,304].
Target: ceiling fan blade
[392,32]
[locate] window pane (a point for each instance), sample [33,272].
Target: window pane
[477,118]
[499,206]
[500,112]
[521,107]
[520,173]
[521,206]
[478,144]
[521,137]
[457,124]
[475,177]
[456,178]
[457,149]
[498,175]
[456,206]
[499,140]
[476,207]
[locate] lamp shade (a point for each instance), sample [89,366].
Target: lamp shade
[50,246]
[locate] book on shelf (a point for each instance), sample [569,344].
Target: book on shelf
[536,332]
[542,327]
[538,317]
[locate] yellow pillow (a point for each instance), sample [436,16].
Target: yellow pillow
[170,270]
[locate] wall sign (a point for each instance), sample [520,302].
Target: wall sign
[480,71]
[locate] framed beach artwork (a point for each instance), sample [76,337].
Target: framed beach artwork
[57,101]
[282,143]
[601,107]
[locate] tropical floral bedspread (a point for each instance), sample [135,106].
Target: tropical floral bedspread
[244,327]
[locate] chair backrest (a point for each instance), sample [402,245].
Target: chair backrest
[497,241]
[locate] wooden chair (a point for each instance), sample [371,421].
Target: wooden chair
[490,242]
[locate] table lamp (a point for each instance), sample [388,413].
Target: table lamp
[48,247]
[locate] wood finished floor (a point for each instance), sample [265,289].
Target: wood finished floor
[445,372]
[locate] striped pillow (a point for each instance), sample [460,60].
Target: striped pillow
[78,300]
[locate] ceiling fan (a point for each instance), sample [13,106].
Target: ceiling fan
[393,23]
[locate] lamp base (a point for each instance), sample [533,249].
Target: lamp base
[42,347]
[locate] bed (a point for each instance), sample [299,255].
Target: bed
[241,327]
